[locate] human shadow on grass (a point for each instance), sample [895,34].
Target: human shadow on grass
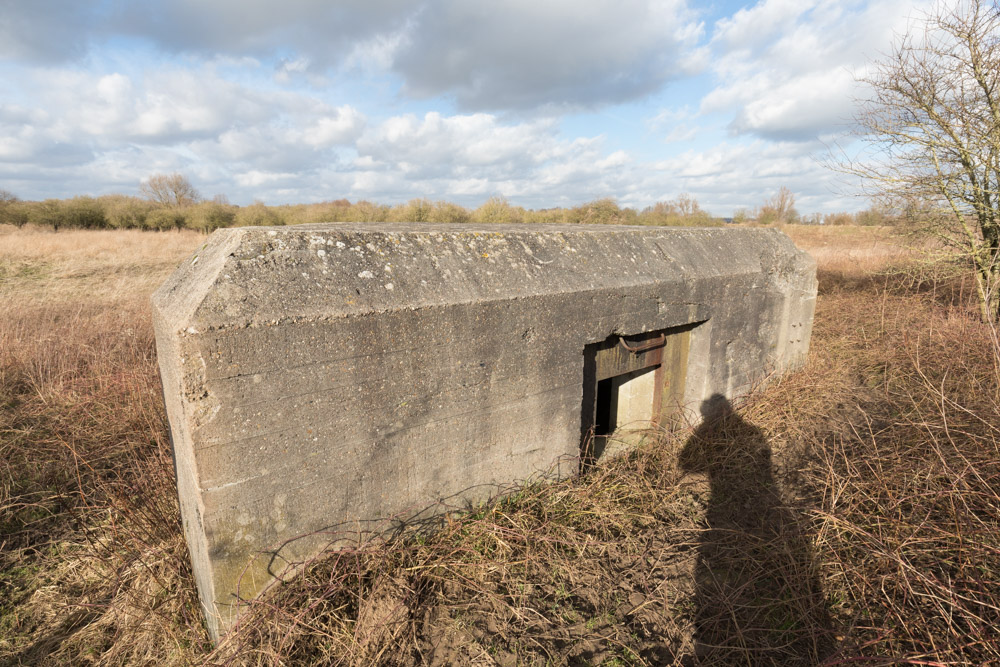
[758,597]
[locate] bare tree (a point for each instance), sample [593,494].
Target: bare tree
[932,127]
[779,209]
[169,189]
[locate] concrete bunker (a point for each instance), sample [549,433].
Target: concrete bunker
[328,381]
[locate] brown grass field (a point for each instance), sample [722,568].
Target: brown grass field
[848,513]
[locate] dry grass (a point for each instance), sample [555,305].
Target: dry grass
[851,250]
[104,266]
[92,564]
[845,514]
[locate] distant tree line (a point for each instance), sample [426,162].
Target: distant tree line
[170,201]
[780,210]
[876,216]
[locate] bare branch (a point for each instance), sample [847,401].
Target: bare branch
[169,190]
[932,130]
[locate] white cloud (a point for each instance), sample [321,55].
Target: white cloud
[560,52]
[335,127]
[440,142]
[20,138]
[183,105]
[175,120]
[751,27]
[256,178]
[164,107]
[466,158]
[520,54]
[744,174]
[787,67]
[307,99]
[801,108]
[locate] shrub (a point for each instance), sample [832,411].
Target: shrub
[48,212]
[12,210]
[498,209]
[165,218]
[547,216]
[602,212]
[338,210]
[447,212]
[415,210]
[365,211]
[124,212]
[210,215]
[683,211]
[258,215]
[84,213]
[15,213]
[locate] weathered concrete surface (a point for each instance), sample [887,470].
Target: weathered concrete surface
[323,380]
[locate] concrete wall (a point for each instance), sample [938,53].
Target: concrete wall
[322,380]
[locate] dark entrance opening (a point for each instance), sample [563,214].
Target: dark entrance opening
[604,423]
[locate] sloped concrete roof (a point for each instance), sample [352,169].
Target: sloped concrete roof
[266,275]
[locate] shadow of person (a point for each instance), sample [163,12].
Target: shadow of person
[758,599]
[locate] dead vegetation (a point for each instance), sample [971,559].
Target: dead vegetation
[845,514]
[106,266]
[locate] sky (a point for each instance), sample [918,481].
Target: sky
[544,102]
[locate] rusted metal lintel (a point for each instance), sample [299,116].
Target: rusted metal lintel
[659,341]
[616,357]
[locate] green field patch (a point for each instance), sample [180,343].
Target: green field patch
[11,272]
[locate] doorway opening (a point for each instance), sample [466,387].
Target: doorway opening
[603,420]
[630,385]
